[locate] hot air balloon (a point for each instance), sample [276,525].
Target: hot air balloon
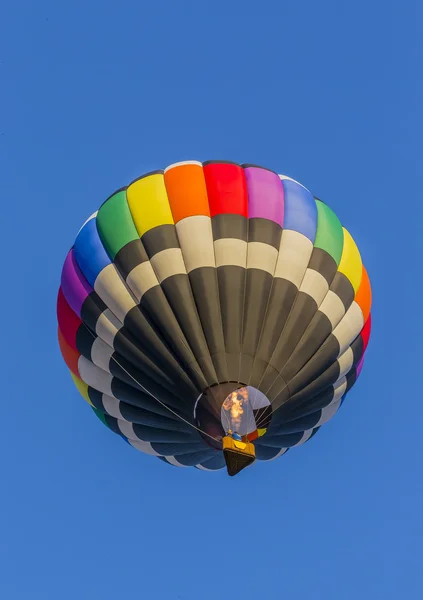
[214,314]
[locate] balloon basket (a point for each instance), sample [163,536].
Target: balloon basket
[238,455]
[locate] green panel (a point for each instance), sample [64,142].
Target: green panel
[115,224]
[329,235]
[101,416]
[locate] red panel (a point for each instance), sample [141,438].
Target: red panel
[69,322]
[226,189]
[70,356]
[363,296]
[365,332]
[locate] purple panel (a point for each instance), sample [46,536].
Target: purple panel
[74,285]
[265,195]
[359,367]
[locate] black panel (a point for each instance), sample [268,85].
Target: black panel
[85,339]
[91,310]
[302,312]
[342,287]
[160,238]
[313,338]
[229,226]
[231,291]
[179,295]
[323,263]
[204,285]
[264,231]
[129,257]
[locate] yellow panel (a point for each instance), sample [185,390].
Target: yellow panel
[261,432]
[148,203]
[82,388]
[351,265]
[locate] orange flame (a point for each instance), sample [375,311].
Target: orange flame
[234,404]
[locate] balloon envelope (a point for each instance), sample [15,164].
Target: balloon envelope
[213,297]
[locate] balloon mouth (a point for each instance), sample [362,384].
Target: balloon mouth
[232,408]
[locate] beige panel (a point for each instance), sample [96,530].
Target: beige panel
[280,453]
[205,468]
[329,411]
[183,163]
[262,256]
[340,387]
[95,377]
[144,447]
[349,327]
[315,285]
[111,406]
[127,429]
[141,279]
[107,327]
[167,263]
[172,460]
[294,255]
[306,436]
[282,177]
[346,362]
[113,291]
[196,241]
[333,307]
[230,251]
[101,354]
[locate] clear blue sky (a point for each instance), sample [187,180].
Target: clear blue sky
[92,95]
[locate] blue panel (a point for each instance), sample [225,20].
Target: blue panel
[89,251]
[300,210]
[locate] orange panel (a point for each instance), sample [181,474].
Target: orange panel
[363,296]
[186,190]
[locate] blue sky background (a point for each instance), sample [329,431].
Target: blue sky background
[92,95]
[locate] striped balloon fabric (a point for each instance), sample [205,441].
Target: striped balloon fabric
[206,289]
